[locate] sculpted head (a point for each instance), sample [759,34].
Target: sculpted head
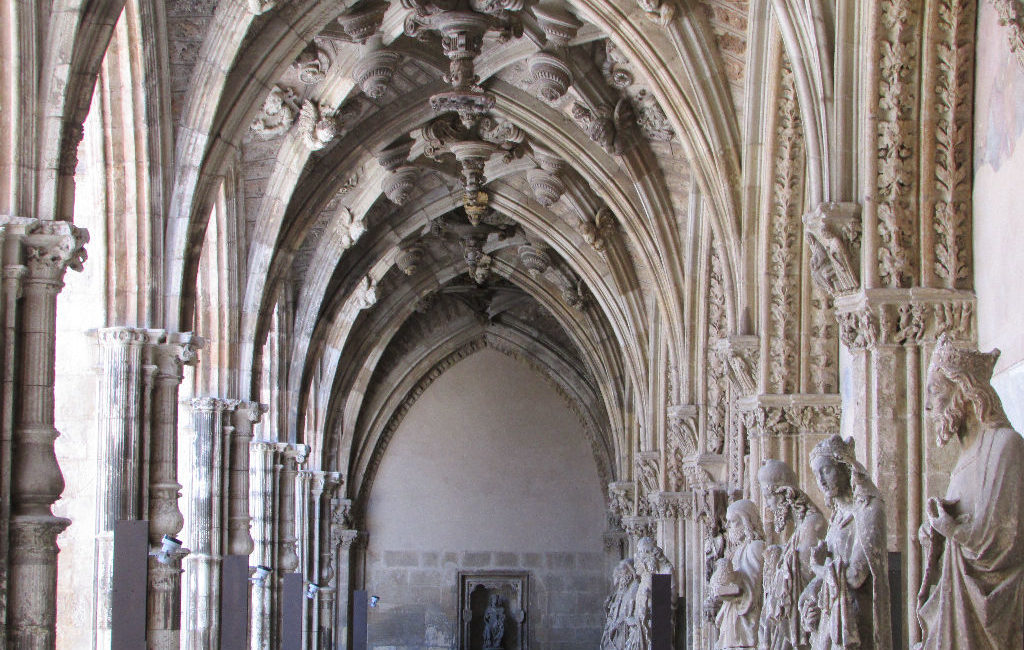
[742,522]
[780,488]
[959,385]
[840,475]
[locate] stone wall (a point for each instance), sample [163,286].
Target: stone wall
[998,231]
[489,471]
[419,597]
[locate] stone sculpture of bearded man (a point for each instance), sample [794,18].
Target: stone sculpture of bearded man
[785,579]
[972,594]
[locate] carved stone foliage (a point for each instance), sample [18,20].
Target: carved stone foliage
[823,343]
[618,74]
[897,141]
[717,387]
[672,505]
[833,234]
[276,116]
[681,443]
[881,318]
[1011,16]
[783,255]
[783,415]
[954,122]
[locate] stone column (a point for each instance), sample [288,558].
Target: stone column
[163,623]
[244,417]
[264,468]
[345,540]
[319,488]
[36,255]
[203,535]
[121,397]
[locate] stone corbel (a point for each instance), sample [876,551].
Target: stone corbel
[681,443]
[833,234]
[620,499]
[741,356]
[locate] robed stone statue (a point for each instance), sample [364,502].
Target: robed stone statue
[735,587]
[787,569]
[972,594]
[846,605]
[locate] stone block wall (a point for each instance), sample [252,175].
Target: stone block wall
[419,597]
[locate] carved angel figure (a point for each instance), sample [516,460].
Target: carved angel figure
[846,605]
[972,594]
[735,586]
[789,573]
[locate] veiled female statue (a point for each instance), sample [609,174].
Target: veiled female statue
[846,605]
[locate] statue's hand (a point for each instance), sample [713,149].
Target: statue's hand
[810,613]
[820,554]
[941,517]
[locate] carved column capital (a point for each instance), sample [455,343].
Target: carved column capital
[833,234]
[639,527]
[350,538]
[53,246]
[672,505]
[782,415]
[905,316]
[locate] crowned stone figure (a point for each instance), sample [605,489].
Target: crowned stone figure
[972,594]
[648,561]
[846,604]
[789,570]
[735,587]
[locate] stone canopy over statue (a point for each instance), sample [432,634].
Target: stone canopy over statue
[972,594]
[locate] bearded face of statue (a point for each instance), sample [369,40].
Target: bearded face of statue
[946,408]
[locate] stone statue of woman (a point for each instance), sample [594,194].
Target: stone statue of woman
[494,623]
[846,605]
[736,583]
[972,594]
[648,560]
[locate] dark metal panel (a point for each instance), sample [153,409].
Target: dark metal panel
[359,619]
[291,609]
[234,603]
[661,612]
[128,597]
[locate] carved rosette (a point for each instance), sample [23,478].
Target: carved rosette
[551,76]
[833,234]
[905,317]
[681,443]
